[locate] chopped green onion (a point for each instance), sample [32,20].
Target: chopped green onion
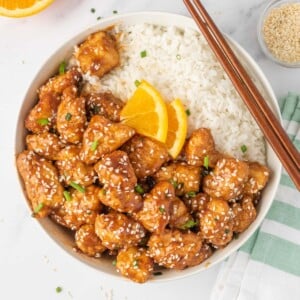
[114,262]
[77,187]
[191,194]
[67,196]
[58,289]
[139,189]
[94,145]
[137,83]
[244,148]
[38,208]
[143,54]
[178,56]
[68,117]
[189,224]
[226,231]
[96,109]
[115,11]
[157,273]
[62,68]
[43,121]
[135,263]
[216,219]
[104,192]
[188,112]
[161,209]
[93,10]
[174,183]
[206,162]
[99,18]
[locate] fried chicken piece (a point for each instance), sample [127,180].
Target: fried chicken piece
[258,178]
[126,201]
[244,214]
[155,214]
[216,223]
[98,54]
[72,169]
[104,104]
[199,145]
[41,183]
[115,171]
[88,242]
[196,203]
[146,155]
[116,174]
[175,249]
[180,217]
[71,117]
[82,208]
[135,264]
[45,144]
[43,115]
[118,231]
[185,178]
[102,137]
[227,180]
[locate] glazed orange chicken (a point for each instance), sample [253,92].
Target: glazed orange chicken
[119,193]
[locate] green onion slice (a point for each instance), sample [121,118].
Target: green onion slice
[39,208]
[143,54]
[189,224]
[77,187]
[62,68]
[68,117]
[114,262]
[115,11]
[188,112]
[178,56]
[135,263]
[93,10]
[244,148]
[206,162]
[58,289]
[139,189]
[174,183]
[43,121]
[94,145]
[191,194]
[161,209]
[67,196]
[137,83]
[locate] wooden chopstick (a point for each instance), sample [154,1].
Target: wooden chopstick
[274,133]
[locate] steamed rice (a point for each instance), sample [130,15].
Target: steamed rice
[180,64]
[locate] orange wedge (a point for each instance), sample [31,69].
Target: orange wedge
[22,8]
[177,129]
[146,112]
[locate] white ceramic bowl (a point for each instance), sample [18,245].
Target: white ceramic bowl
[58,233]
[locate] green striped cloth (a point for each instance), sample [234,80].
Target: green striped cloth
[268,265]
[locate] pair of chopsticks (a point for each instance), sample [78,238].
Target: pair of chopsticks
[270,126]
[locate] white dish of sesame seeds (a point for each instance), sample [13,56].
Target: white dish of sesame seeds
[172,25]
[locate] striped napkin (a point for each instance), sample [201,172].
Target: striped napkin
[268,265]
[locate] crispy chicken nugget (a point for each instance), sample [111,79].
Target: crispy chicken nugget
[71,116]
[102,137]
[42,117]
[135,264]
[98,54]
[42,186]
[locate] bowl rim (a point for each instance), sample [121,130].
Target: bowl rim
[261,41]
[181,22]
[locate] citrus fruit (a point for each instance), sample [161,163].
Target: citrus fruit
[22,8]
[146,112]
[177,128]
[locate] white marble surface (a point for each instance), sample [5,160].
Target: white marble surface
[31,265]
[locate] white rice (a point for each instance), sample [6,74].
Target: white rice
[180,64]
